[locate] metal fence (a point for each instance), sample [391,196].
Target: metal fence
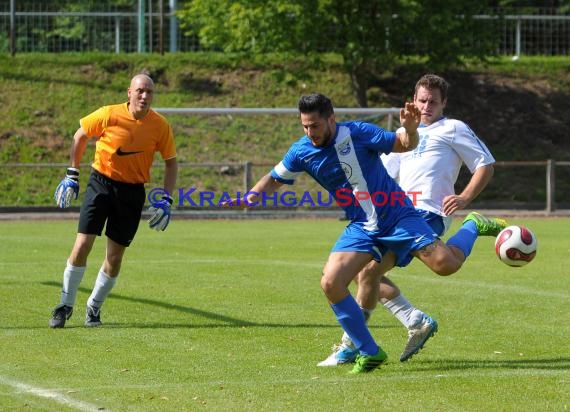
[542,193]
[547,35]
[154,29]
[104,31]
[536,186]
[245,172]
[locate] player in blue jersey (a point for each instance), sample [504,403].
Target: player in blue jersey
[430,172]
[384,225]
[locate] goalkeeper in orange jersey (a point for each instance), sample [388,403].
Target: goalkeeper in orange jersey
[128,136]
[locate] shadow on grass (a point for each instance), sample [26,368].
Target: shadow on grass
[226,321]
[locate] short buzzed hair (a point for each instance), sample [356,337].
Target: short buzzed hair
[316,102]
[143,77]
[431,82]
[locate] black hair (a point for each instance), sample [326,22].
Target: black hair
[316,102]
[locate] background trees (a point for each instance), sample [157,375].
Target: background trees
[369,34]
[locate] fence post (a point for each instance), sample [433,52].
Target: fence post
[13,27]
[246,176]
[550,186]
[518,39]
[149,48]
[173,27]
[141,24]
[117,34]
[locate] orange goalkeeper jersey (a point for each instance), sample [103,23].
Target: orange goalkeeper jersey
[126,146]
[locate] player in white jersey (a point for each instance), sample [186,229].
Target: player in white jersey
[428,173]
[384,225]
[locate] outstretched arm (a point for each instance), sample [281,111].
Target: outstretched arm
[267,184]
[478,181]
[410,117]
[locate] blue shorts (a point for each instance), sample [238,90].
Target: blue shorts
[438,223]
[411,233]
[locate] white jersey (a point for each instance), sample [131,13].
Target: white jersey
[431,169]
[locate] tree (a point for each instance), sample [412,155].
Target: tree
[366,33]
[355,29]
[445,33]
[253,26]
[364,29]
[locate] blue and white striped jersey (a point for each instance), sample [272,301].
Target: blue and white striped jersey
[351,170]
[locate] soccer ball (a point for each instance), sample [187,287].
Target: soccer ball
[516,245]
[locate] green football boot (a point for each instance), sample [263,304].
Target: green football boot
[367,363]
[486,226]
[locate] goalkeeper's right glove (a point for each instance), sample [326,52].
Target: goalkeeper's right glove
[68,188]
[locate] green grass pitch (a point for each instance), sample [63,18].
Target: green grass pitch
[229,315]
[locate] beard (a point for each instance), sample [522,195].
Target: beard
[326,139]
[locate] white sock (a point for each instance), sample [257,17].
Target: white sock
[404,311]
[345,340]
[103,286]
[72,276]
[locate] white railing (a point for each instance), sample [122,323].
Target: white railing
[389,112]
[157,30]
[246,168]
[555,39]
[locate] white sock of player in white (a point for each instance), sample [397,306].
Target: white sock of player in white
[72,276]
[403,310]
[103,286]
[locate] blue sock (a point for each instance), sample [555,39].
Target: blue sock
[465,237]
[351,318]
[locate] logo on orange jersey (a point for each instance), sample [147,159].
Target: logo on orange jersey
[121,153]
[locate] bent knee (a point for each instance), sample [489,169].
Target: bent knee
[440,259]
[446,268]
[327,283]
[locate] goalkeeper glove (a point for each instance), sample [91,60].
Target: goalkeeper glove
[160,214]
[68,188]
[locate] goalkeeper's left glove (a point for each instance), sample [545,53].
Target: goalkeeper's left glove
[160,214]
[68,188]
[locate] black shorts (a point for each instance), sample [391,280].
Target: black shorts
[115,203]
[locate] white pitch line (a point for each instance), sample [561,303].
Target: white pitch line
[511,287]
[50,394]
